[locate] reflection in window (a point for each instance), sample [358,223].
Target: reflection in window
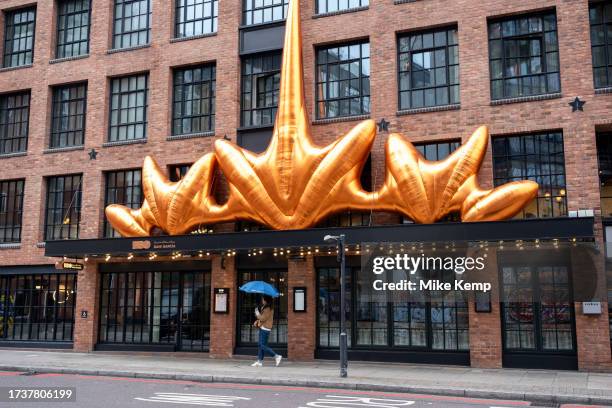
[11,210]
[196,17]
[332,6]
[122,187]
[429,69]
[72,28]
[37,307]
[178,171]
[524,56]
[69,110]
[538,157]
[14,120]
[63,212]
[260,89]
[128,108]
[264,11]
[132,23]
[343,80]
[601,42]
[194,100]
[19,37]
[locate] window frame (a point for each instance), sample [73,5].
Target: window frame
[12,233]
[319,82]
[57,91]
[339,9]
[210,99]
[119,36]
[248,13]
[21,140]
[68,211]
[123,190]
[253,110]
[119,93]
[66,27]
[10,39]
[214,17]
[606,44]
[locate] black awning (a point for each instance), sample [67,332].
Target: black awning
[543,229]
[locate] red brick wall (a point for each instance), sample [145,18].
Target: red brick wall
[302,326]
[86,330]
[379,23]
[223,326]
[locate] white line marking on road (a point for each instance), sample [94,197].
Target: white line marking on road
[342,401]
[194,399]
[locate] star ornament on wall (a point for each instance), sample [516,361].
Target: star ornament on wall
[577,104]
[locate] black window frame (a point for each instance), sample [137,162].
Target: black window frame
[250,10]
[70,210]
[129,189]
[8,103]
[605,44]
[187,103]
[253,115]
[77,97]
[604,165]
[547,159]
[120,92]
[177,171]
[322,84]
[11,210]
[62,41]
[346,5]
[9,27]
[35,303]
[183,19]
[551,75]
[119,35]
[416,44]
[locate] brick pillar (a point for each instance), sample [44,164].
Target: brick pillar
[223,325]
[485,328]
[86,329]
[593,340]
[302,326]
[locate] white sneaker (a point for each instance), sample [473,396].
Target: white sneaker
[257,364]
[278,359]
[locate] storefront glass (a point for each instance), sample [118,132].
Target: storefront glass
[37,307]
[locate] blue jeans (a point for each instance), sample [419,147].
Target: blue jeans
[263,345]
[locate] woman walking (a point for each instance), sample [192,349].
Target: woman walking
[265,318]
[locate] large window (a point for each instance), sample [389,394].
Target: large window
[332,6]
[178,171]
[122,187]
[601,43]
[538,157]
[37,307]
[343,80]
[264,11]
[248,334]
[428,321]
[132,23]
[428,69]
[196,17]
[604,156]
[73,28]
[170,308]
[436,151]
[63,207]
[524,56]
[11,210]
[260,89]
[194,100]
[69,110]
[128,108]
[14,119]
[19,37]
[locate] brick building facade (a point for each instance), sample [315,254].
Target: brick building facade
[547,60]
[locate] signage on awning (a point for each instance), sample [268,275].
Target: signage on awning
[76,266]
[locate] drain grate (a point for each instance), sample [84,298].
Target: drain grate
[541,404]
[28,373]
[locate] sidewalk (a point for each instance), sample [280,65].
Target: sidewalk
[529,385]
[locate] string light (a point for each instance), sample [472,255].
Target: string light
[107,258]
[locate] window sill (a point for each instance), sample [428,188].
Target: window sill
[6,69]
[64,59]
[10,245]
[255,127]
[602,91]
[415,111]
[259,26]
[192,37]
[346,11]
[191,135]
[124,142]
[404,1]
[9,155]
[531,98]
[340,119]
[40,244]
[63,149]
[137,47]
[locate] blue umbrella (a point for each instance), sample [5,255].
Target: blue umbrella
[260,287]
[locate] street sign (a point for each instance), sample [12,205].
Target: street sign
[73,265]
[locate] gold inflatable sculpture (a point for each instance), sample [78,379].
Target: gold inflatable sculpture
[295,184]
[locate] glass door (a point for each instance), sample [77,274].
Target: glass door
[195,312]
